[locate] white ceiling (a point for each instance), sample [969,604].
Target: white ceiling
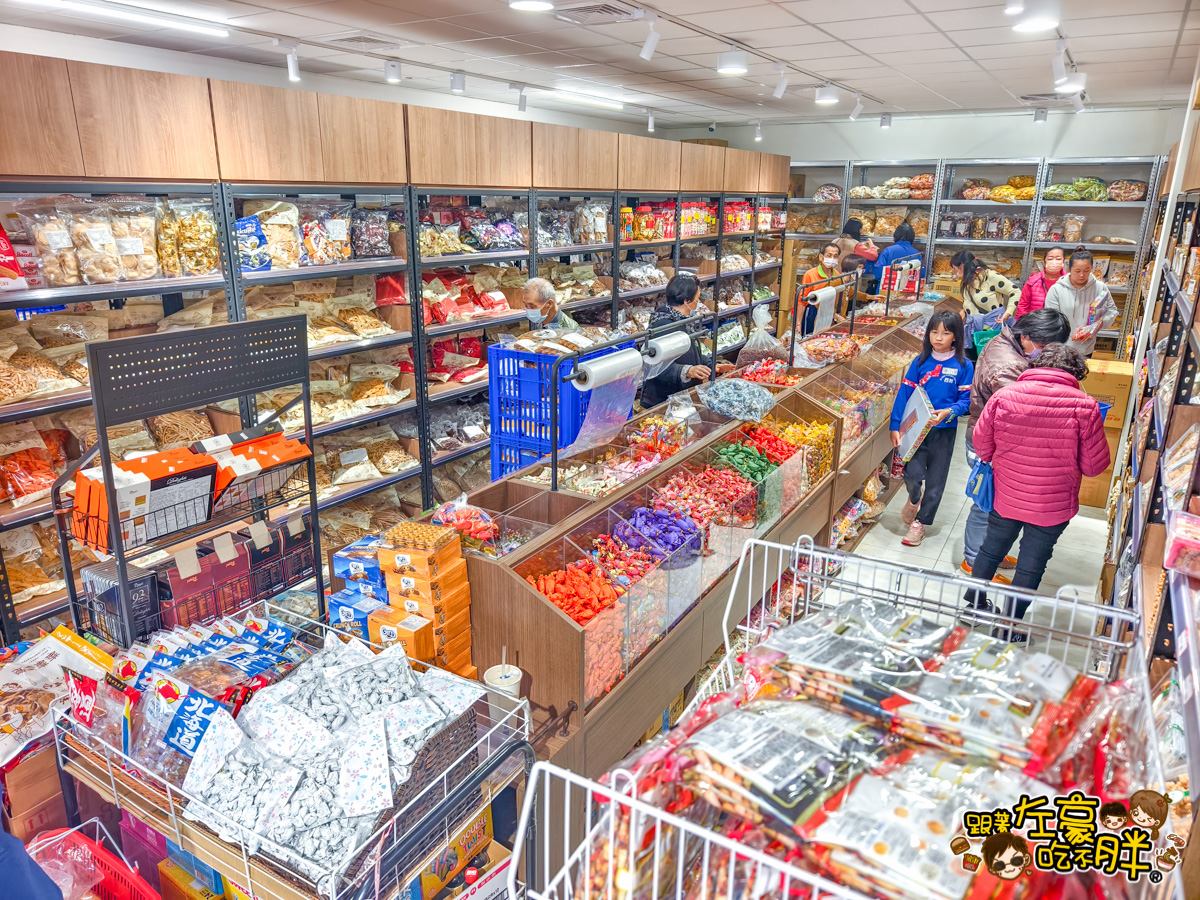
[911,56]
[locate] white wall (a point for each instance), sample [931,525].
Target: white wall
[18,39]
[1141,132]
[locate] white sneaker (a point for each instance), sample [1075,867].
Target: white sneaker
[916,534]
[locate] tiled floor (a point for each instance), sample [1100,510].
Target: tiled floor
[1078,555]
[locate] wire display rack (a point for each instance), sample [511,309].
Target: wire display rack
[464,777]
[613,845]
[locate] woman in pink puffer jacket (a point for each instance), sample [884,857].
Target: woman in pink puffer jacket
[1041,434]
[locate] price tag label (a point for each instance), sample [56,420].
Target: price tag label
[474,432]
[187,562]
[224,547]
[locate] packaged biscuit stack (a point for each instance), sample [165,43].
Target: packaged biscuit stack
[426,576]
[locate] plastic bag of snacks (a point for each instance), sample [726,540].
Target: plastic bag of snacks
[1125,190]
[196,236]
[1004,194]
[1061,192]
[1022,181]
[1073,228]
[91,233]
[51,241]
[26,467]
[828,193]
[133,227]
[921,183]
[860,192]
[1091,189]
[899,181]
[1026,194]
[761,344]
[975,189]
[369,233]
[475,526]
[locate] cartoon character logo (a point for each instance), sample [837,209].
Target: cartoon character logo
[1006,855]
[1148,809]
[127,670]
[167,690]
[1167,858]
[1114,816]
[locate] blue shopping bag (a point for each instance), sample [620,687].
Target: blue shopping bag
[979,486]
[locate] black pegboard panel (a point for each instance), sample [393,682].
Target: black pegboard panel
[145,376]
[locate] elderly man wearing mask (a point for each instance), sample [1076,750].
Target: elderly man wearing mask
[541,306]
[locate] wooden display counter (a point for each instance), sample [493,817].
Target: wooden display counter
[668,624]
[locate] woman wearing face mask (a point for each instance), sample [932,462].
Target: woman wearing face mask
[541,306]
[1084,300]
[825,269]
[1033,295]
[1001,363]
[682,302]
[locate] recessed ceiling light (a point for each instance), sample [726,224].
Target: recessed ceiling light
[1074,83]
[885,121]
[1014,7]
[137,14]
[826,95]
[531,5]
[458,82]
[1039,117]
[585,100]
[391,71]
[293,64]
[1042,15]
[733,62]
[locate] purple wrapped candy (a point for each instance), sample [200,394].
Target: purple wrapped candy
[666,528]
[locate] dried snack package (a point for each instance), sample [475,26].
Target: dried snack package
[91,233]
[978,226]
[737,399]
[475,526]
[196,236]
[1004,194]
[325,232]
[1022,181]
[162,696]
[26,467]
[761,344]
[253,255]
[134,227]
[1126,190]
[166,239]
[369,233]
[280,222]
[1072,228]
[352,465]
[1060,192]
[1091,189]
[52,241]
[23,559]
[859,192]
[828,193]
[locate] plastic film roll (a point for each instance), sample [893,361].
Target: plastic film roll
[666,348]
[606,369]
[825,300]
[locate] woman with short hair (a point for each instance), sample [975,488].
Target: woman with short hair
[984,290]
[852,241]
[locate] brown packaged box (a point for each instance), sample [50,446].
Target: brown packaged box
[400,587]
[445,632]
[425,564]
[27,824]
[451,653]
[438,609]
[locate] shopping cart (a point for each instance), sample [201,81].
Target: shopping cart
[600,828]
[118,879]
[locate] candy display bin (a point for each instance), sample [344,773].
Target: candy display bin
[604,470]
[793,471]
[892,353]
[820,454]
[769,506]
[848,397]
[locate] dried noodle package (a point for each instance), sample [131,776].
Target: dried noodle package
[23,561]
[134,229]
[357,312]
[196,236]
[91,233]
[166,237]
[179,429]
[51,240]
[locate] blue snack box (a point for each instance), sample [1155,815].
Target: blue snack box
[348,611]
[358,565]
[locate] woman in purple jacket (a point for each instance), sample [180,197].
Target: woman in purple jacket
[1041,434]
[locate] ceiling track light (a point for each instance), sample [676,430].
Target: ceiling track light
[1038,16]
[826,95]
[1039,116]
[858,108]
[733,62]
[1014,7]
[1077,103]
[391,71]
[521,99]
[782,84]
[531,5]
[1073,84]
[651,43]
[458,82]
[650,122]
[1058,65]
[885,121]
[293,66]
[758,132]
[138,14]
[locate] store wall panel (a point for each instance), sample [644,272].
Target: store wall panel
[503,152]
[39,136]
[362,140]
[702,168]
[566,157]
[646,164]
[139,124]
[441,147]
[266,133]
[741,171]
[773,173]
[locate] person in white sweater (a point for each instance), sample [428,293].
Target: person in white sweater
[1084,300]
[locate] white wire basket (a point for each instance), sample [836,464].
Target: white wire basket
[263,868]
[587,854]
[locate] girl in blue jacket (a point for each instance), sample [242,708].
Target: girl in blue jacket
[945,374]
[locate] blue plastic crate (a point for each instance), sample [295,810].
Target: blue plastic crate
[24,315]
[506,460]
[519,401]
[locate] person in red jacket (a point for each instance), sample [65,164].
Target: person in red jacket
[1033,295]
[1041,434]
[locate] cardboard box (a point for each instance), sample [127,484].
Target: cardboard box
[202,872]
[455,653]
[417,585]
[1094,491]
[359,563]
[439,609]
[411,561]
[31,781]
[348,611]
[472,840]
[1109,381]
[27,824]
